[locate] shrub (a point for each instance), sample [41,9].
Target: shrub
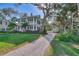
[67,37]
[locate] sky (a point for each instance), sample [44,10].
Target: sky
[25,8]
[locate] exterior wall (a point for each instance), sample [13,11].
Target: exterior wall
[3,25]
[33,23]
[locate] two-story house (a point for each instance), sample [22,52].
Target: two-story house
[34,23]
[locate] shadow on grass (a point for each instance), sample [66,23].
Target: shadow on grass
[61,48]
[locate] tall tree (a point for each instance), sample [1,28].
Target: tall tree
[47,9]
[65,14]
[7,12]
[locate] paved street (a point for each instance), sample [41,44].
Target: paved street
[36,48]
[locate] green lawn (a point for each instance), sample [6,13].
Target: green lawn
[9,41]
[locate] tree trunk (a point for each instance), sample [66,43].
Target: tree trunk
[78,16]
[78,9]
[44,26]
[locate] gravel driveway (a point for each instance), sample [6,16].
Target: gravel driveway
[36,48]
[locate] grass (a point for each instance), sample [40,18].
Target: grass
[18,38]
[5,47]
[9,41]
[62,45]
[48,51]
[62,48]
[68,49]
